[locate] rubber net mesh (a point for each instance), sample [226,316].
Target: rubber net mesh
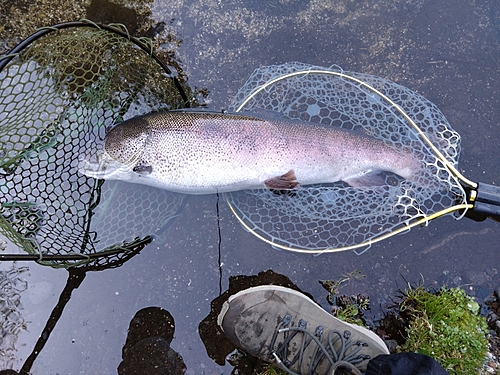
[57,98]
[12,284]
[339,217]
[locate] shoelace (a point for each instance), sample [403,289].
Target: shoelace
[348,350]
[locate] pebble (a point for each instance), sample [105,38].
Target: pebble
[490,365]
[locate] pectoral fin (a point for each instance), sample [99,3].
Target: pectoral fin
[287,181]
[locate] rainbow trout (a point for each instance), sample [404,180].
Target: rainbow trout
[200,153]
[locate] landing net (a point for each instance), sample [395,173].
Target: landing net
[337,217]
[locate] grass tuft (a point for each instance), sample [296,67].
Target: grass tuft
[446,326]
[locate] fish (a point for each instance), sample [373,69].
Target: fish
[207,152]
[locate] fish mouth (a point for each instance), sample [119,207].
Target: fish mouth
[104,167]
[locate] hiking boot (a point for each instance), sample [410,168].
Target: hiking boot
[282,326]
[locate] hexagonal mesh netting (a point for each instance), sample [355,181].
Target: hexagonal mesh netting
[58,94]
[340,217]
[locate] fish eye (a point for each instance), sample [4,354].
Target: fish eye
[143,169]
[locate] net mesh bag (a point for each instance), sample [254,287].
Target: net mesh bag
[12,322]
[337,217]
[59,93]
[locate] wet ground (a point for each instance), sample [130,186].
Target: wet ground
[448,51]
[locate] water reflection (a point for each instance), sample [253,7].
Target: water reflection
[95,320]
[76,275]
[151,331]
[147,349]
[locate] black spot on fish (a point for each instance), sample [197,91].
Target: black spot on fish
[143,169]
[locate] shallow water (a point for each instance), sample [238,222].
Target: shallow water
[448,51]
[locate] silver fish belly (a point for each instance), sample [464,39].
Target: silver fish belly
[200,153]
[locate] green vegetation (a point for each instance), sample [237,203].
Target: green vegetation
[350,314]
[347,308]
[446,326]
[273,370]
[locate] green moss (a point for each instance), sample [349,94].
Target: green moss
[273,370]
[350,314]
[447,327]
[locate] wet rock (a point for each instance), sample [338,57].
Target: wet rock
[476,277]
[491,319]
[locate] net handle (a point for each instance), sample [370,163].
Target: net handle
[5,60]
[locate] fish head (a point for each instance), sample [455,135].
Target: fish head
[121,157]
